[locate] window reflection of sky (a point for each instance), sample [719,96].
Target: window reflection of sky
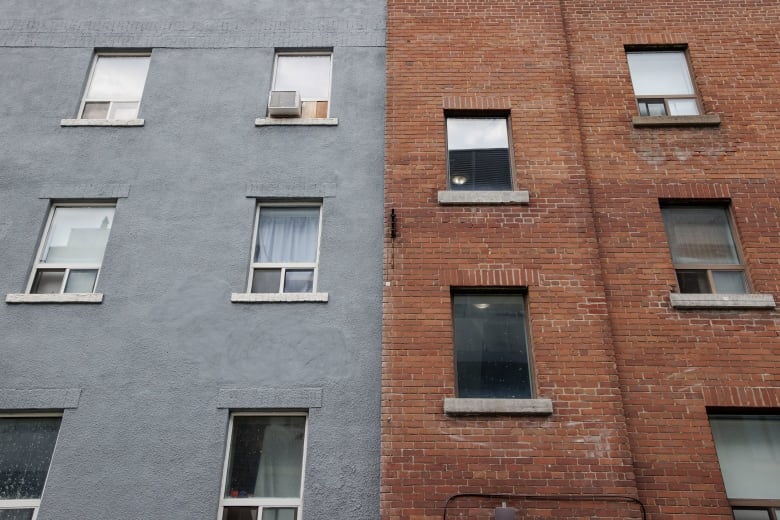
[476,133]
[309,75]
[118,77]
[660,73]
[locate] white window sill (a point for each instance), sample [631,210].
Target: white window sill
[102,122]
[480,406]
[701,120]
[278,297]
[54,298]
[484,197]
[296,121]
[722,301]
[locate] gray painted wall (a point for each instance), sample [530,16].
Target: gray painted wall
[151,367]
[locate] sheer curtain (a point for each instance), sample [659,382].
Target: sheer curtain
[287,235]
[280,466]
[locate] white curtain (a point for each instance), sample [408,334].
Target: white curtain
[280,467]
[287,235]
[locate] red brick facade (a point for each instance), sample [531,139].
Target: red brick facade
[630,377]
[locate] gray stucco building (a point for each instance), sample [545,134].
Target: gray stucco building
[192,282]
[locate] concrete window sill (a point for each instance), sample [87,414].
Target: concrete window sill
[722,301]
[474,406]
[484,197]
[54,298]
[657,121]
[102,122]
[296,121]
[278,297]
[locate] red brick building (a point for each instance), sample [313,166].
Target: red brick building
[581,260]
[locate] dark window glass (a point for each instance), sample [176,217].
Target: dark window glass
[751,514]
[491,348]
[266,457]
[26,446]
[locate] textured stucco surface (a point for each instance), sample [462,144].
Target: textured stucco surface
[160,362]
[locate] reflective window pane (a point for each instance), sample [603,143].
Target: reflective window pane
[751,514]
[266,280]
[683,107]
[266,457]
[659,73]
[48,281]
[78,235]
[491,350]
[464,133]
[26,446]
[700,234]
[749,454]
[287,235]
[308,75]
[118,78]
[124,110]
[95,110]
[299,280]
[16,514]
[652,107]
[81,281]
[729,282]
[279,513]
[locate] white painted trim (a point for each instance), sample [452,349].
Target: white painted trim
[278,297]
[484,197]
[54,298]
[296,121]
[482,406]
[722,301]
[102,122]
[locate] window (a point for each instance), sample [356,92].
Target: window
[491,345]
[72,248]
[285,250]
[263,473]
[309,76]
[478,153]
[704,252]
[26,447]
[748,449]
[115,86]
[662,83]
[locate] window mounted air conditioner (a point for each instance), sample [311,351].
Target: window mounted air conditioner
[284,103]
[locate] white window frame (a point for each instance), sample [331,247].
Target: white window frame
[30,503]
[329,54]
[46,266]
[284,266]
[111,54]
[261,502]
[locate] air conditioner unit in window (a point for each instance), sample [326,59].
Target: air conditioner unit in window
[284,103]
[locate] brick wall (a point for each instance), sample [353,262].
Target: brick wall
[630,377]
